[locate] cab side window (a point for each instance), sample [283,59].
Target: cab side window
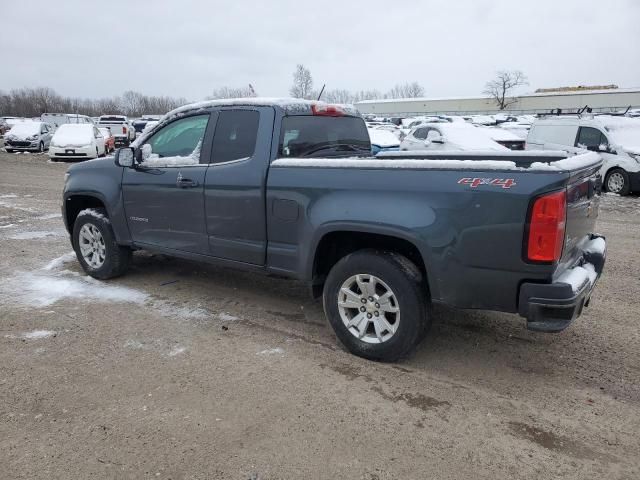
[235,136]
[178,143]
[590,138]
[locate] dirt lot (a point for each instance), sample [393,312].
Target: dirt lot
[185,371]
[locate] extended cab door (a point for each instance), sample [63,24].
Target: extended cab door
[234,189]
[163,195]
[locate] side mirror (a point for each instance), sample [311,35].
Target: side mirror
[125,157]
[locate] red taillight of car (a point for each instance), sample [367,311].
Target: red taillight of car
[124,130]
[327,110]
[547,227]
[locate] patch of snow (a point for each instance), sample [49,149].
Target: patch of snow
[36,334]
[93,213]
[405,160]
[8,225]
[49,216]
[9,195]
[225,317]
[154,160]
[578,276]
[177,351]
[271,351]
[44,289]
[134,344]
[166,309]
[58,262]
[34,235]
[597,245]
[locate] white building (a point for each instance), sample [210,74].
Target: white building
[598,100]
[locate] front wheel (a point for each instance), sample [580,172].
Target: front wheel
[617,181]
[95,245]
[377,304]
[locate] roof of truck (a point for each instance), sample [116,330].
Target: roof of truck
[289,105]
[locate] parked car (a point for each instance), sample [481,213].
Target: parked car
[616,138]
[28,136]
[109,140]
[77,141]
[149,126]
[57,119]
[4,127]
[139,124]
[290,187]
[121,128]
[449,136]
[383,140]
[503,137]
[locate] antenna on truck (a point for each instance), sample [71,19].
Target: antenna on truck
[253,92]
[321,91]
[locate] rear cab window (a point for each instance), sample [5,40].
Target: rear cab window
[323,136]
[235,135]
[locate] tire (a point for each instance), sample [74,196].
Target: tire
[116,258]
[410,296]
[41,147]
[617,181]
[8,150]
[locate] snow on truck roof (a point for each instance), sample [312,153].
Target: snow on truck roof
[289,105]
[551,161]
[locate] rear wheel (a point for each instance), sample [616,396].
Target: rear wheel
[95,245]
[617,181]
[377,304]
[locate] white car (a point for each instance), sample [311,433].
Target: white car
[383,140]
[77,141]
[449,136]
[504,137]
[616,138]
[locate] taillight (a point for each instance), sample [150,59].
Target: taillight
[546,227]
[124,129]
[327,110]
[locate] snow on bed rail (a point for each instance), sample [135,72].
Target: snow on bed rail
[406,162]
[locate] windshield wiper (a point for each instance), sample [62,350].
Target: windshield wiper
[336,146]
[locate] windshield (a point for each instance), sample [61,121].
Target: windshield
[627,136]
[320,136]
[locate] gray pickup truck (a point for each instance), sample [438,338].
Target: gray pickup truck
[289,187]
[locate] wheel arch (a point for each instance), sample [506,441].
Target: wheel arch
[335,243]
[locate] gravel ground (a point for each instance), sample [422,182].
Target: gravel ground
[184,371]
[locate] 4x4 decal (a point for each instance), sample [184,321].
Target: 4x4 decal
[496,182]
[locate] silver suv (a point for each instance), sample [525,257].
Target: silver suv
[30,136]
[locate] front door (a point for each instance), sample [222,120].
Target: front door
[163,196]
[235,184]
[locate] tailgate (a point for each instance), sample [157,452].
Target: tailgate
[583,201]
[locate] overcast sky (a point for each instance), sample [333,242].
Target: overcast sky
[189,47]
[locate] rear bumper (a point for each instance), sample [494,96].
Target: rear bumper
[551,307]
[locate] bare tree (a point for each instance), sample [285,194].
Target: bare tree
[501,88]
[406,90]
[302,83]
[232,92]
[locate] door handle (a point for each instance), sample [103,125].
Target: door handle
[186,183]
